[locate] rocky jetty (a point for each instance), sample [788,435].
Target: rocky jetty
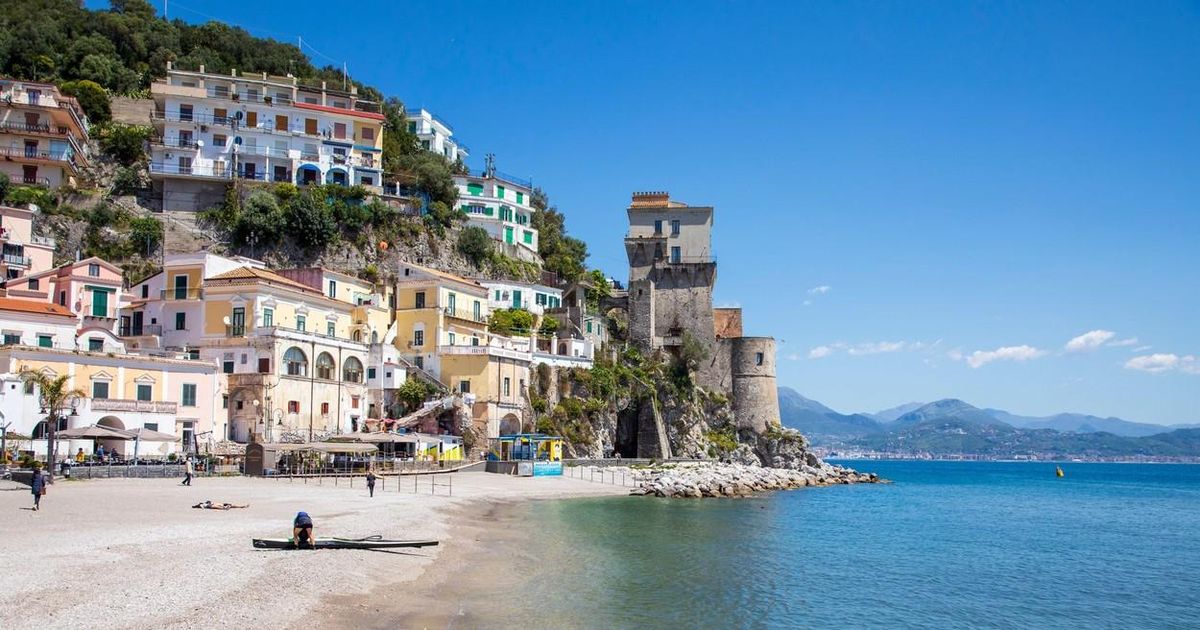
[710,479]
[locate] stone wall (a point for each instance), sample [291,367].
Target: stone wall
[132,111]
[755,392]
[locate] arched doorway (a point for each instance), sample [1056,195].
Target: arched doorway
[112,446]
[510,425]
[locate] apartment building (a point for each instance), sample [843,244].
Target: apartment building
[43,134]
[499,204]
[535,298]
[23,252]
[441,327]
[435,135]
[213,128]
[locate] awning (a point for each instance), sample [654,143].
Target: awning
[94,432]
[376,438]
[149,435]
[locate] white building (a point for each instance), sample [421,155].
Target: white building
[211,128]
[500,204]
[435,135]
[535,298]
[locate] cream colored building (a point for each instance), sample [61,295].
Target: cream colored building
[24,253]
[43,134]
[441,327]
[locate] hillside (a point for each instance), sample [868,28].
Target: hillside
[816,421]
[947,410]
[1079,423]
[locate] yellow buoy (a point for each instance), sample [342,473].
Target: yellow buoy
[1058,471]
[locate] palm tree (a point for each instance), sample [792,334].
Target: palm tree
[55,398]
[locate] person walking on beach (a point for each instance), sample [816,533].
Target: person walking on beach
[371,481]
[188,469]
[37,484]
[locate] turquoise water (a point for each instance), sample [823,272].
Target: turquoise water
[988,545]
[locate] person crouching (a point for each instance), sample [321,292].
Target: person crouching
[302,531]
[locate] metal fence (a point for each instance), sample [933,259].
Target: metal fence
[434,483]
[601,474]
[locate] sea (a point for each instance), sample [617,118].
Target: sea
[946,545]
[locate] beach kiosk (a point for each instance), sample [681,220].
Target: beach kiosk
[526,455]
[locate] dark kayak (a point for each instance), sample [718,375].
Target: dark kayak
[373,542]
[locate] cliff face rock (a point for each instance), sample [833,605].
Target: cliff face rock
[699,480]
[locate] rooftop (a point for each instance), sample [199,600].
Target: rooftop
[251,275]
[36,308]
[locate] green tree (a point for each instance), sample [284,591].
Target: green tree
[412,393]
[310,221]
[257,223]
[92,98]
[56,400]
[5,183]
[475,244]
[125,143]
[145,235]
[511,321]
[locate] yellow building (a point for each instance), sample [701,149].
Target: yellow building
[441,327]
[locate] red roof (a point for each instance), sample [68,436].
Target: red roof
[30,306]
[340,110]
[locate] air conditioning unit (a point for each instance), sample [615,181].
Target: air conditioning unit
[203,127]
[170,155]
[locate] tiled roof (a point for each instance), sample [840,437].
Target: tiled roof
[250,275]
[30,306]
[447,276]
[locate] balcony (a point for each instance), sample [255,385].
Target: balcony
[42,182]
[211,172]
[193,117]
[262,150]
[463,314]
[45,241]
[506,353]
[145,330]
[234,332]
[16,260]
[137,406]
[167,89]
[181,293]
[48,100]
[42,130]
[175,142]
[25,153]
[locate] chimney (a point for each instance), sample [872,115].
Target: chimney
[201,68]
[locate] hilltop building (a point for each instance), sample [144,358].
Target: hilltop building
[672,272]
[435,135]
[502,205]
[213,128]
[43,134]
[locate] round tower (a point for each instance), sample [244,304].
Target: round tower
[755,394]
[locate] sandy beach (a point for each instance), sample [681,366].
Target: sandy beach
[132,553]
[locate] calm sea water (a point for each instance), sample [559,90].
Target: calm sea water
[988,545]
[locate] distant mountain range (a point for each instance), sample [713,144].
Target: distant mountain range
[951,427]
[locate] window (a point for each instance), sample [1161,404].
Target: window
[354,402]
[758,358]
[224,401]
[474,341]
[300,322]
[475,190]
[330,329]
[520,197]
[499,192]
[181,287]
[674,227]
[452,302]
[264,365]
[368,133]
[451,335]
[219,140]
[507,386]
[370,373]
[28,387]
[418,338]
[325,366]
[589,326]
[238,406]
[180,321]
[95,344]
[352,370]
[293,406]
[100,389]
[189,395]
[185,112]
[657,227]
[35,284]
[420,362]
[45,341]
[144,392]
[333,288]
[310,126]
[477,311]
[420,299]
[12,339]
[325,409]
[227,367]
[676,257]
[62,298]
[281,123]
[295,362]
[145,291]
[94,270]
[268,317]
[498,298]
[153,426]
[464,387]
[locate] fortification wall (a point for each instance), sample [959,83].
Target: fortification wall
[642,313]
[755,391]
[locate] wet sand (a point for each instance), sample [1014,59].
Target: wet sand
[132,553]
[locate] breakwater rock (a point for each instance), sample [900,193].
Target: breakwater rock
[705,479]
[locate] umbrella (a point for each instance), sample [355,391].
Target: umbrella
[149,435]
[93,432]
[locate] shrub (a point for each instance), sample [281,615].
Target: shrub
[92,98]
[309,221]
[548,328]
[511,321]
[475,244]
[145,234]
[124,143]
[5,183]
[30,194]
[126,180]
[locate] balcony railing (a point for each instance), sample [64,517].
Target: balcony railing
[35,181]
[194,117]
[151,330]
[42,240]
[20,127]
[34,154]
[235,331]
[89,313]
[504,177]
[141,406]
[17,260]
[262,150]
[181,293]
[176,142]
[470,316]
[164,168]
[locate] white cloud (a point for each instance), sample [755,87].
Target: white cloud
[1141,348]
[821,290]
[794,357]
[1164,362]
[1090,340]
[820,352]
[980,358]
[1120,343]
[878,347]
[955,354]
[808,302]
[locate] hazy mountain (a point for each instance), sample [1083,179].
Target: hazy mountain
[817,421]
[949,409]
[888,415]
[1080,423]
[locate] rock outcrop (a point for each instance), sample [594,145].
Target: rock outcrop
[709,479]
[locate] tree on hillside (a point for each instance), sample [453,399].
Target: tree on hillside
[562,254]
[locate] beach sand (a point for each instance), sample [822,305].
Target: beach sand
[132,553]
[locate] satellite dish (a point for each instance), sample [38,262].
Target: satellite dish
[199,144]
[225,320]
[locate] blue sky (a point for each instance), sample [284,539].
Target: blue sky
[974,184]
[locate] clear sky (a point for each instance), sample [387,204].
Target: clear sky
[918,200]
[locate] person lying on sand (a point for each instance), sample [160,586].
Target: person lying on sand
[209,505]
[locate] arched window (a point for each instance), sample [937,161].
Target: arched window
[325,366]
[374,336]
[358,336]
[295,362]
[352,371]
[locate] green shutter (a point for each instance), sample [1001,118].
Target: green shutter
[99,303]
[528,237]
[499,192]
[520,197]
[475,189]
[508,235]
